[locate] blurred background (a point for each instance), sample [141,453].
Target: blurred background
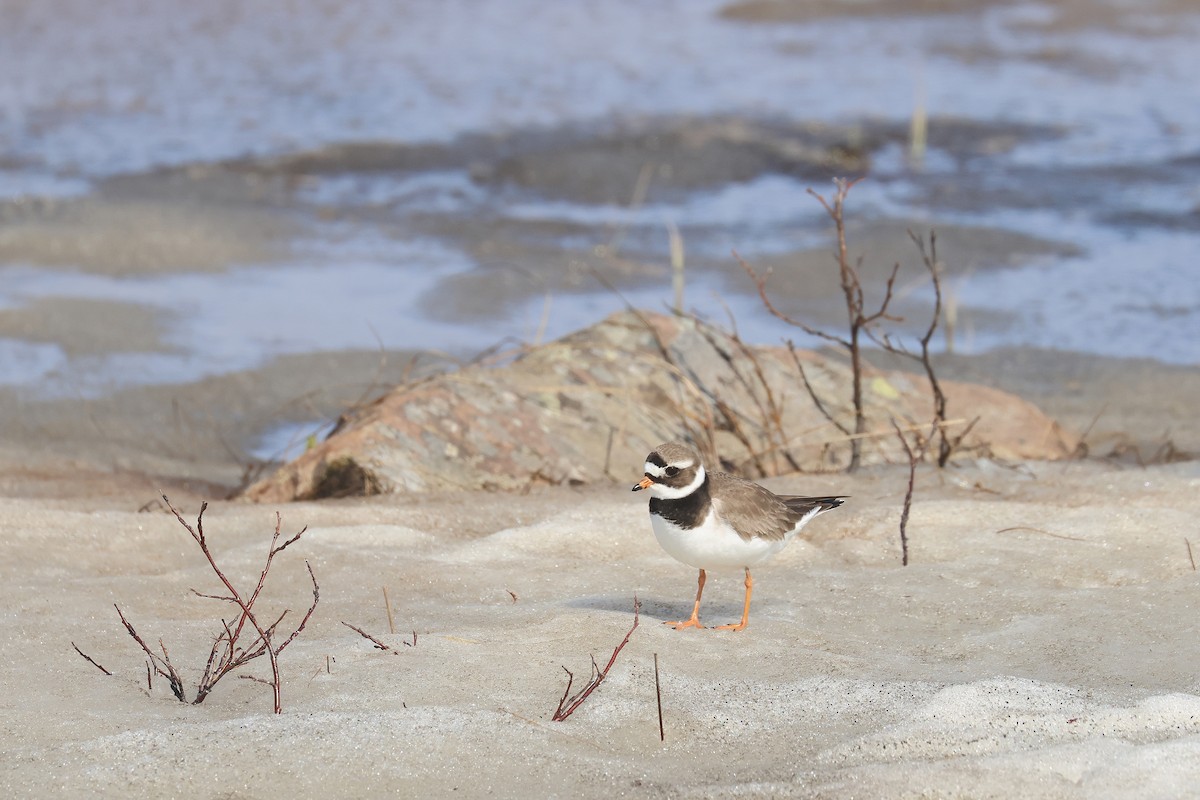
[222,222]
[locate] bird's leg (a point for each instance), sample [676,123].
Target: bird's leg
[745,610]
[694,622]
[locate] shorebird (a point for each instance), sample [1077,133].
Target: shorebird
[712,520]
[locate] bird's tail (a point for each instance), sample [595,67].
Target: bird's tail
[803,505]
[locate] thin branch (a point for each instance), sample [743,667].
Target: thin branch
[914,457]
[227,652]
[569,702]
[760,282]
[160,664]
[91,661]
[662,737]
[812,393]
[378,644]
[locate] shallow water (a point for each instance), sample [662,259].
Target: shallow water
[1103,161]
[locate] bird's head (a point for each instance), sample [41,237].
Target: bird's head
[673,471]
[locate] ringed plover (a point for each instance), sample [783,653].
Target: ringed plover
[712,520]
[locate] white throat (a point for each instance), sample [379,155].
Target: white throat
[664,492]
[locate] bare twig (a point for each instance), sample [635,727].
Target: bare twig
[568,703]
[946,446]
[860,321]
[91,661]
[229,652]
[161,664]
[914,457]
[812,393]
[1185,541]
[256,679]
[378,644]
[662,737]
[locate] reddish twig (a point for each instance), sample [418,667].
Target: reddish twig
[860,321]
[161,664]
[228,651]
[226,655]
[812,392]
[914,457]
[662,736]
[568,703]
[91,661]
[378,644]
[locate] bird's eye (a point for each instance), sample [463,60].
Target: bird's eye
[672,471]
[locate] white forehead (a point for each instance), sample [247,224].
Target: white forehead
[658,472]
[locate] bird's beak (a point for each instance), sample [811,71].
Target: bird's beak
[644,483]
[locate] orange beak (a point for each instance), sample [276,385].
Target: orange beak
[644,483]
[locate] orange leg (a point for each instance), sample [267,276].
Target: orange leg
[694,622]
[745,610]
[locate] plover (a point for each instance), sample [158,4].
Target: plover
[712,520]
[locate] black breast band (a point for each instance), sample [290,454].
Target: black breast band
[687,512]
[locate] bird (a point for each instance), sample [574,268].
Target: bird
[713,520]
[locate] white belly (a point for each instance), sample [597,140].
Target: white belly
[712,545]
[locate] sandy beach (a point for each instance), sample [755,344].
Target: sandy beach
[1038,644]
[205,269]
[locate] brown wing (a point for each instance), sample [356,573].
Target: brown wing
[758,513]
[754,512]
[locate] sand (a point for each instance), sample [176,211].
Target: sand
[1040,644]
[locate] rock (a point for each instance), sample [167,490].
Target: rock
[589,407]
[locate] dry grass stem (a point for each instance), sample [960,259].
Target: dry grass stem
[568,703]
[1191,560]
[387,604]
[1039,530]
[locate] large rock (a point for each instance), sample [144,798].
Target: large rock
[590,406]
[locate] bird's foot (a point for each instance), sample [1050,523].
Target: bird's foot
[694,622]
[739,626]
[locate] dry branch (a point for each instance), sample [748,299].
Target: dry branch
[92,661]
[863,322]
[914,458]
[569,702]
[860,321]
[662,736]
[378,644]
[229,649]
